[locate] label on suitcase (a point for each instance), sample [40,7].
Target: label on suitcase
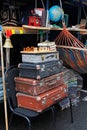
[39,70]
[35,87]
[39,57]
[42,101]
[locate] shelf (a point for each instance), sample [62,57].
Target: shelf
[82,31]
[36,30]
[50,28]
[25,29]
[15,30]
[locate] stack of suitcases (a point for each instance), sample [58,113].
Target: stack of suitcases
[40,83]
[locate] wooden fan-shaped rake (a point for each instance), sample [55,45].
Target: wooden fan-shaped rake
[72,52]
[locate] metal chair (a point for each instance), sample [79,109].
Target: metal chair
[12,101]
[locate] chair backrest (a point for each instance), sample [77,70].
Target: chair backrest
[10,86]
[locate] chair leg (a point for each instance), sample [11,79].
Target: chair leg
[11,117]
[28,120]
[54,118]
[71,112]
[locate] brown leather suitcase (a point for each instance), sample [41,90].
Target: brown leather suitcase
[42,101]
[35,87]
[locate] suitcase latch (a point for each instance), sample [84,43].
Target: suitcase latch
[44,101]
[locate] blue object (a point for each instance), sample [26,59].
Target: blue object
[0,28]
[1,86]
[55,13]
[86,43]
[1,93]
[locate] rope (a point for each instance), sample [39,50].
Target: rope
[85,14]
[41,3]
[35,3]
[63,19]
[67,39]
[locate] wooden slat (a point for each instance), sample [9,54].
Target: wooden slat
[12,27]
[34,30]
[50,28]
[71,47]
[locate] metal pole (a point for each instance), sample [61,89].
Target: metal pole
[7,57]
[3,79]
[47,17]
[79,18]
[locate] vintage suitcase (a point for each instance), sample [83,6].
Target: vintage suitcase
[35,87]
[42,101]
[39,70]
[39,57]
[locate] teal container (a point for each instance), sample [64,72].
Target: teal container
[59,24]
[66,19]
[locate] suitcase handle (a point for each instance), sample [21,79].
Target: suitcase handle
[57,97]
[52,82]
[51,56]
